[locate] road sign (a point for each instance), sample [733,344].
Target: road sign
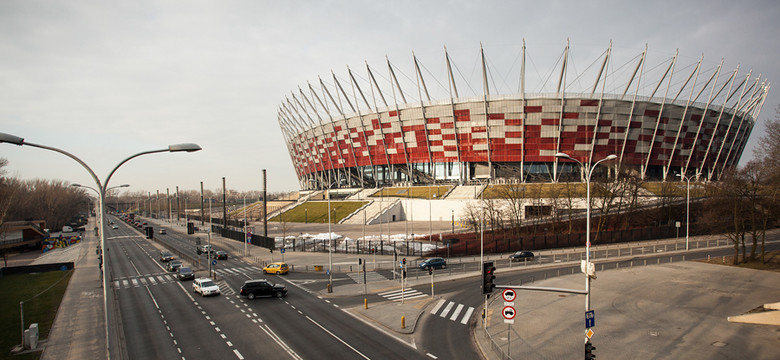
[509,295]
[589,333]
[508,312]
[590,319]
[214,262]
[282,250]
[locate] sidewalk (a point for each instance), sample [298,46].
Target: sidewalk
[78,331]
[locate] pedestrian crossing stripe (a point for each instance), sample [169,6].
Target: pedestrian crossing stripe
[369,276]
[455,314]
[407,294]
[143,281]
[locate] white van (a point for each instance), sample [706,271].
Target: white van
[67,229]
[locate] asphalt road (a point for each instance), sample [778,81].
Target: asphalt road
[163,318]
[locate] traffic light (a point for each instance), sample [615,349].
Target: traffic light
[589,355]
[404,261]
[488,275]
[430,270]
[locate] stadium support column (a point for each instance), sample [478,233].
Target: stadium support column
[379,121]
[660,113]
[717,123]
[420,87]
[320,126]
[486,95]
[525,115]
[454,89]
[562,91]
[749,103]
[601,102]
[639,67]
[363,126]
[685,112]
[728,129]
[398,112]
[716,76]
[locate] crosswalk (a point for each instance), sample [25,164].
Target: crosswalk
[232,271]
[163,278]
[407,294]
[452,311]
[151,280]
[369,276]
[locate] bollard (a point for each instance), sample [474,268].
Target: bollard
[403,322]
[365,303]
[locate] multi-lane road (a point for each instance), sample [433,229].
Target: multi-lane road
[163,317]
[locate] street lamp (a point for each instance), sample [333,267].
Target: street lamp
[98,192]
[687,205]
[102,188]
[588,173]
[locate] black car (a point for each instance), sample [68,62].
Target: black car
[174,265]
[166,256]
[521,256]
[255,288]
[221,255]
[185,273]
[433,263]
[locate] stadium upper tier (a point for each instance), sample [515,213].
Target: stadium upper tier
[658,122]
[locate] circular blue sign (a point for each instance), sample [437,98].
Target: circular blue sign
[214,262]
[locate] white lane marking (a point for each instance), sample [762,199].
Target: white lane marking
[467,315]
[279,341]
[456,312]
[436,308]
[238,354]
[431,356]
[447,309]
[337,338]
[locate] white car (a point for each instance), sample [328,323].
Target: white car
[205,287]
[163,232]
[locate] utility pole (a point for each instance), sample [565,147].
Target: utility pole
[224,204]
[265,206]
[201,204]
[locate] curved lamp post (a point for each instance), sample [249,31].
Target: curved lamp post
[101,189]
[588,173]
[98,192]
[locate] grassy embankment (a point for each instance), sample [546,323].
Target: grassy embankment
[41,294]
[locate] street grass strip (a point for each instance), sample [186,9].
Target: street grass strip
[317,212]
[42,294]
[417,192]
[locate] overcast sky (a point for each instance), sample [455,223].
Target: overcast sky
[107,79]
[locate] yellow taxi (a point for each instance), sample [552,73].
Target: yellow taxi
[277,268]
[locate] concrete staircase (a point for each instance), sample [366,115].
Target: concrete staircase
[465,192]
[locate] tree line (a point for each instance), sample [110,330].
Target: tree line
[55,201]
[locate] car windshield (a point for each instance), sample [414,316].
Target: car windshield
[207,284]
[185,270]
[175,262]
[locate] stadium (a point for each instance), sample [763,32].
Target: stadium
[663,117]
